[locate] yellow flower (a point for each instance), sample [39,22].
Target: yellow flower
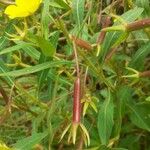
[23,8]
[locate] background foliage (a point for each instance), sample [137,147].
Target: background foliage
[37,72]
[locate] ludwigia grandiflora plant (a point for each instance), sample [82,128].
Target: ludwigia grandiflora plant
[74,74]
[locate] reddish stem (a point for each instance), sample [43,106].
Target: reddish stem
[140,24]
[76,101]
[102,34]
[110,54]
[81,43]
[144,74]
[3,93]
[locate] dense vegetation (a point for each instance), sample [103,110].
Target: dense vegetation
[75,74]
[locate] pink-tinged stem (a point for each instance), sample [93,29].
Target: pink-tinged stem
[102,34]
[81,43]
[145,74]
[140,24]
[76,101]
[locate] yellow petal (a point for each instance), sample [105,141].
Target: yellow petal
[27,2]
[13,11]
[23,8]
[29,5]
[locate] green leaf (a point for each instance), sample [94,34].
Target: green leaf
[93,148]
[3,70]
[62,80]
[29,49]
[62,4]
[45,19]
[43,74]
[140,115]
[4,38]
[46,47]
[26,47]
[112,37]
[103,147]
[54,4]
[138,58]
[29,142]
[123,95]
[119,149]
[130,141]
[54,38]
[141,37]
[105,120]
[13,48]
[144,4]
[78,11]
[35,68]
[62,26]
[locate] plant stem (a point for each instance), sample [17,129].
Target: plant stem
[145,74]
[4,95]
[102,34]
[76,59]
[137,25]
[76,101]
[81,43]
[98,71]
[110,54]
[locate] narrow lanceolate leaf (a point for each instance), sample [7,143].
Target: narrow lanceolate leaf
[29,49]
[43,74]
[137,61]
[141,37]
[86,133]
[78,11]
[105,120]
[12,48]
[3,70]
[62,4]
[45,19]
[29,142]
[112,37]
[124,94]
[4,39]
[119,149]
[35,68]
[140,115]
[46,47]
[144,4]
